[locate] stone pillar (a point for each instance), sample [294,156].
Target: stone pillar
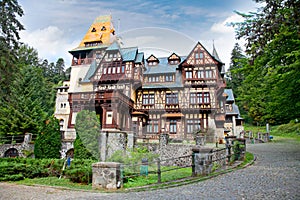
[103,145]
[200,140]
[107,175]
[163,139]
[229,144]
[131,139]
[202,161]
[27,138]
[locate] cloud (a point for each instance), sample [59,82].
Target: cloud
[158,41]
[50,42]
[224,26]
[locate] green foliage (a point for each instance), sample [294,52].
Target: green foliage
[9,23]
[80,150]
[132,160]
[15,169]
[10,10]
[235,75]
[87,128]
[48,143]
[133,156]
[20,168]
[269,92]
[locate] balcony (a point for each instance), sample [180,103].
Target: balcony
[82,61]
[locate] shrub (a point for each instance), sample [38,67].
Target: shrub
[13,169]
[14,177]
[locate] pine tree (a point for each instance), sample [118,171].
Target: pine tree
[48,143]
[235,75]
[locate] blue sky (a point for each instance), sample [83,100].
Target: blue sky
[55,26]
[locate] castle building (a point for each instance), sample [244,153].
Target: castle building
[177,95]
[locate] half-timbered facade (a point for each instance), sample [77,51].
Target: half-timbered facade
[178,95]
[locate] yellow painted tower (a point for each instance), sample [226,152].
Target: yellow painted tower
[100,32]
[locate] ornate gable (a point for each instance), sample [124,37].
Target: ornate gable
[200,56]
[174,59]
[152,60]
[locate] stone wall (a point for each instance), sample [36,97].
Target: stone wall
[26,146]
[114,140]
[170,151]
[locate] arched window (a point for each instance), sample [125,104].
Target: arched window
[12,152]
[61,124]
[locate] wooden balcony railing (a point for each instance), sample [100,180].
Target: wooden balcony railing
[82,61]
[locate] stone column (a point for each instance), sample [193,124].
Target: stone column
[107,175]
[229,144]
[131,139]
[200,140]
[163,139]
[202,161]
[103,145]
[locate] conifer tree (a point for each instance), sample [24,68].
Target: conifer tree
[48,143]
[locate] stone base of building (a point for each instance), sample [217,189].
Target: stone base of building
[112,140]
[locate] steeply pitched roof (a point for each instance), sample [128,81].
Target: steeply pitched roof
[215,53]
[162,67]
[113,46]
[139,58]
[129,54]
[229,93]
[101,33]
[176,84]
[90,72]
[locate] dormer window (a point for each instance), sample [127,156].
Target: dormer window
[174,59]
[152,63]
[103,28]
[173,62]
[93,30]
[152,60]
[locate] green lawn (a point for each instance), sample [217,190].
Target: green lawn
[54,181]
[279,132]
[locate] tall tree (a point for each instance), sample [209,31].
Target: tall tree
[270,91]
[87,128]
[48,143]
[9,36]
[10,26]
[235,75]
[26,110]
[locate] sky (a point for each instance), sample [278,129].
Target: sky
[158,27]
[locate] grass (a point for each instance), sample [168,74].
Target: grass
[249,157]
[279,132]
[54,181]
[165,177]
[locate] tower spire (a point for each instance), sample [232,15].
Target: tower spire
[215,53]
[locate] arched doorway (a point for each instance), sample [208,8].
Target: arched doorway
[12,152]
[70,153]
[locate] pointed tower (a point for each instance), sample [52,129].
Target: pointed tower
[216,56]
[100,32]
[99,36]
[215,53]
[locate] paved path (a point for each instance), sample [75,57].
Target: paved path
[274,175]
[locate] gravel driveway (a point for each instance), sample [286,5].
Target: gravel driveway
[274,175]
